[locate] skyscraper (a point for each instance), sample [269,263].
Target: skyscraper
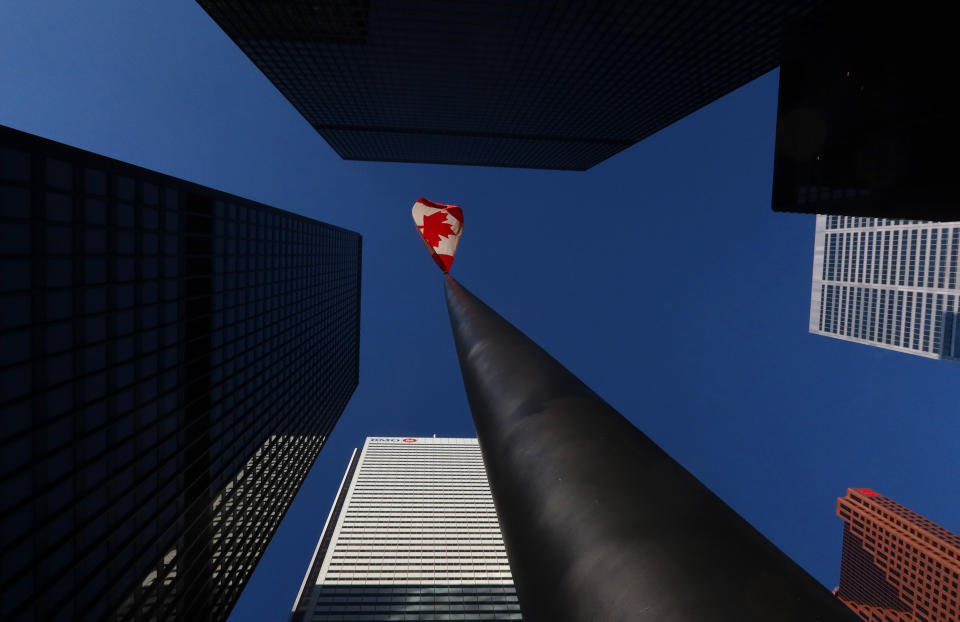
[531,84]
[864,119]
[172,358]
[412,532]
[887,283]
[897,566]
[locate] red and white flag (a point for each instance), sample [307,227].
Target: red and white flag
[440,227]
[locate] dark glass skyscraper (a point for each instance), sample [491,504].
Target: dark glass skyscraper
[866,124]
[172,359]
[532,84]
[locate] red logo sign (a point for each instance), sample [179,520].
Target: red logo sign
[868,493]
[409,440]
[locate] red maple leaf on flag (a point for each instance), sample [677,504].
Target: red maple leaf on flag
[434,227]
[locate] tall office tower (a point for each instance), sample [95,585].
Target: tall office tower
[412,535]
[534,84]
[897,566]
[172,359]
[865,123]
[887,283]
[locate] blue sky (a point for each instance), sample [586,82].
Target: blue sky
[661,277]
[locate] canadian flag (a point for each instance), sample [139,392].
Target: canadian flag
[440,227]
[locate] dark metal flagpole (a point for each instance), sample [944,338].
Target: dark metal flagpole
[599,523]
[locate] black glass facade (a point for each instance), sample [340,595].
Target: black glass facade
[866,122]
[525,84]
[172,359]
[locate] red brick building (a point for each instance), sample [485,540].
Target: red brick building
[897,566]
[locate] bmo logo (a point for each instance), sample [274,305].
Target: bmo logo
[393,440]
[409,440]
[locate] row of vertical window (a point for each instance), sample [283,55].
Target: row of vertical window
[869,257]
[268,311]
[906,319]
[403,609]
[18,166]
[850,222]
[368,591]
[256,498]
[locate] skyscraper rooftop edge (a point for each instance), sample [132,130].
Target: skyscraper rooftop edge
[13,136]
[528,85]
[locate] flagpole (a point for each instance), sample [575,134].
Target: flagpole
[599,523]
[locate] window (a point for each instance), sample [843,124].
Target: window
[843,310]
[893,257]
[124,242]
[922,258]
[94,241]
[14,202]
[829,314]
[857,307]
[123,215]
[58,206]
[151,194]
[94,181]
[846,257]
[124,188]
[861,244]
[899,317]
[149,218]
[59,174]
[829,257]
[938,325]
[883,319]
[903,259]
[917,318]
[94,300]
[94,271]
[955,244]
[59,240]
[94,211]
[907,316]
[14,165]
[59,273]
[913,256]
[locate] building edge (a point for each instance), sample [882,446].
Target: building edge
[304,596]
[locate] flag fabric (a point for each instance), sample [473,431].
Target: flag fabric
[440,227]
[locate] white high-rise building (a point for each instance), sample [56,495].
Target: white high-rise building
[412,535]
[887,283]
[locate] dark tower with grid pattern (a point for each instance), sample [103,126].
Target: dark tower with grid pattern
[866,124]
[533,84]
[172,359]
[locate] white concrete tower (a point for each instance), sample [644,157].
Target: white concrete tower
[412,535]
[887,283]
